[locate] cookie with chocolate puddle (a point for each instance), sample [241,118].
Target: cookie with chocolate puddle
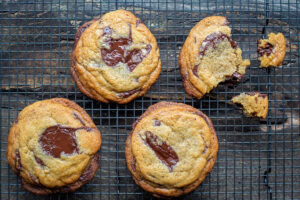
[53,146]
[171,149]
[115,58]
[209,57]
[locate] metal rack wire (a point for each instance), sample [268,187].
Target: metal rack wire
[257,159]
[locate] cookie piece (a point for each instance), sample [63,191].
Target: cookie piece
[53,146]
[171,149]
[115,58]
[254,103]
[209,56]
[272,50]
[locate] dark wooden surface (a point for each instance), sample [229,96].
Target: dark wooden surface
[36,41]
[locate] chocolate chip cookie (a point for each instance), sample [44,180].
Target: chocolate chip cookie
[53,146]
[209,56]
[171,149]
[254,103]
[272,50]
[115,58]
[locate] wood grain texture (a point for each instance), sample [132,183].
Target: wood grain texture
[36,42]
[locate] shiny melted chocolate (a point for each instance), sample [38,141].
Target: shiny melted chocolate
[264,50]
[60,139]
[163,151]
[211,41]
[39,161]
[18,163]
[128,93]
[118,51]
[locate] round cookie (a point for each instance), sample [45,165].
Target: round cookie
[53,146]
[115,58]
[209,56]
[272,50]
[171,149]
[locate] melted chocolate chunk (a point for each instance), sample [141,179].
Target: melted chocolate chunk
[205,145]
[205,149]
[133,164]
[234,77]
[195,70]
[212,40]
[230,81]
[59,139]
[81,30]
[203,116]
[118,51]
[264,50]
[87,174]
[128,93]
[157,123]
[163,151]
[79,118]
[259,94]
[89,171]
[39,161]
[18,161]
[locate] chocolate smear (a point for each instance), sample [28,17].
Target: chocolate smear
[264,50]
[213,39]
[128,93]
[79,118]
[118,52]
[18,161]
[58,139]
[39,161]
[162,150]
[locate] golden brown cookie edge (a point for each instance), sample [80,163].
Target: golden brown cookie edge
[164,192]
[152,79]
[11,155]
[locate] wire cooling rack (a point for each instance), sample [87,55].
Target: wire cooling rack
[258,159]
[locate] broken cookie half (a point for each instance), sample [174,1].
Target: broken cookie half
[210,56]
[254,104]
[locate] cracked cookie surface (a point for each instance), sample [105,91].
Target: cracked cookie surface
[209,56]
[53,146]
[115,58]
[171,149]
[272,50]
[254,103]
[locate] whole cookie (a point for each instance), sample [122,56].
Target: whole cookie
[209,56]
[115,58]
[272,50]
[171,149]
[53,146]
